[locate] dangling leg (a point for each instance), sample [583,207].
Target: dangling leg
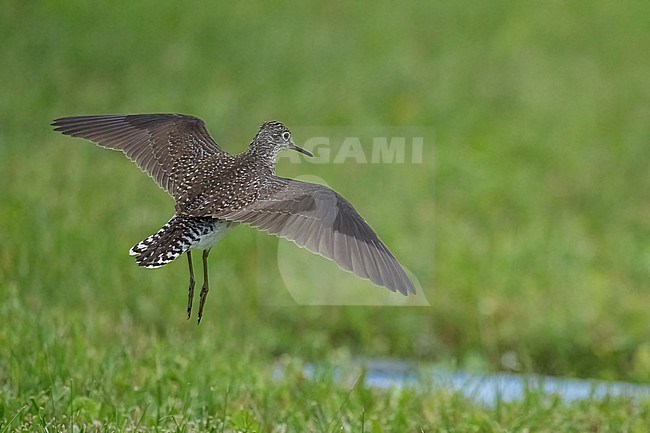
[190,292]
[205,289]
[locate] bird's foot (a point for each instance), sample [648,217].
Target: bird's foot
[204,294]
[190,298]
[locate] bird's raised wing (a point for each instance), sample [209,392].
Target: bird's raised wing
[317,218]
[165,146]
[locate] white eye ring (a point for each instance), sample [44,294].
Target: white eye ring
[286,136]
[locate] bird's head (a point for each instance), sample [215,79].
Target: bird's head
[273,137]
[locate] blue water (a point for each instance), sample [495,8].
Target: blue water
[488,389]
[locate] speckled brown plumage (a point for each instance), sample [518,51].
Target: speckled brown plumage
[214,191]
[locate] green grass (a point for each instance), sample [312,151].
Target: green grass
[535,193]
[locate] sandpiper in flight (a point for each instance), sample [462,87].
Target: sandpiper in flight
[214,191]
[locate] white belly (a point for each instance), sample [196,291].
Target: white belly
[206,241]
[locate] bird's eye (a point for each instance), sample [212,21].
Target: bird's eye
[286,136]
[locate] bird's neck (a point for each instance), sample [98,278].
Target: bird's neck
[263,157]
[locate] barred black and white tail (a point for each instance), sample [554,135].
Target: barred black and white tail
[175,238]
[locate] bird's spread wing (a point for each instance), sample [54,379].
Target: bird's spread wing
[317,218]
[165,146]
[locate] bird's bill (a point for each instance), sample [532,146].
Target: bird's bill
[301,150]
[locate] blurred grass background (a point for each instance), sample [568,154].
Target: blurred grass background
[535,193]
